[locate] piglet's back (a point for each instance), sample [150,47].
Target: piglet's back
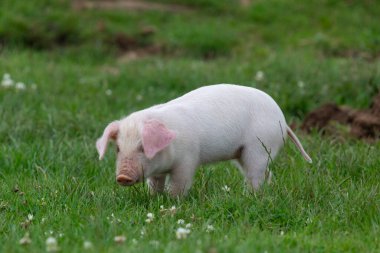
[228,102]
[220,117]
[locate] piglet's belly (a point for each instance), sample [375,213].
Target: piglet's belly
[217,154]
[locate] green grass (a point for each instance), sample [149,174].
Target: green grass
[47,135]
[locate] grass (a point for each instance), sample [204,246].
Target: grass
[47,135]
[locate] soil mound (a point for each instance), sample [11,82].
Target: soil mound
[363,124]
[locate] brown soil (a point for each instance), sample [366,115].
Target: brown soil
[128,5]
[245,3]
[375,106]
[352,53]
[363,124]
[140,53]
[136,46]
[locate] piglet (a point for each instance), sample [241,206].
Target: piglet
[166,143]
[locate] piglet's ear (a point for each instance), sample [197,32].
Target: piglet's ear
[155,137]
[110,132]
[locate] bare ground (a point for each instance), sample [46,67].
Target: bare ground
[363,124]
[128,5]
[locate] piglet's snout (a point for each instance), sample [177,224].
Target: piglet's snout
[127,177]
[128,172]
[125,180]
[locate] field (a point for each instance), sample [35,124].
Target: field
[82,68]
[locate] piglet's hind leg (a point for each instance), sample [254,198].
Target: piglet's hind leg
[254,163]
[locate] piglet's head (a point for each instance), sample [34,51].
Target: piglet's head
[139,147]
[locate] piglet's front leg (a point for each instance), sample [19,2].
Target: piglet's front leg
[157,184]
[181,179]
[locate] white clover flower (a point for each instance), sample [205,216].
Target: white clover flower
[210,228]
[282,233]
[134,241]
[30,217]
[25,240]
[20,86]
[172,210]
[142,232]
[226,188]
[108,92]
[182,233]
[7,81]
[43,220]
[180,222]
[150,218]
[139,97]
[51,244]
[300,84]
[119,239]
[259,76]
[87,245]
[42,202]
[113,219]
[188,225]
[33,86]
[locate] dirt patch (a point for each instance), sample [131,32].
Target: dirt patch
[321,117]
[363,124]
[354,54]
[40,34]
[245,3]
[126,42]
[132,47]
[140,53]
[375,106]
[128,5]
